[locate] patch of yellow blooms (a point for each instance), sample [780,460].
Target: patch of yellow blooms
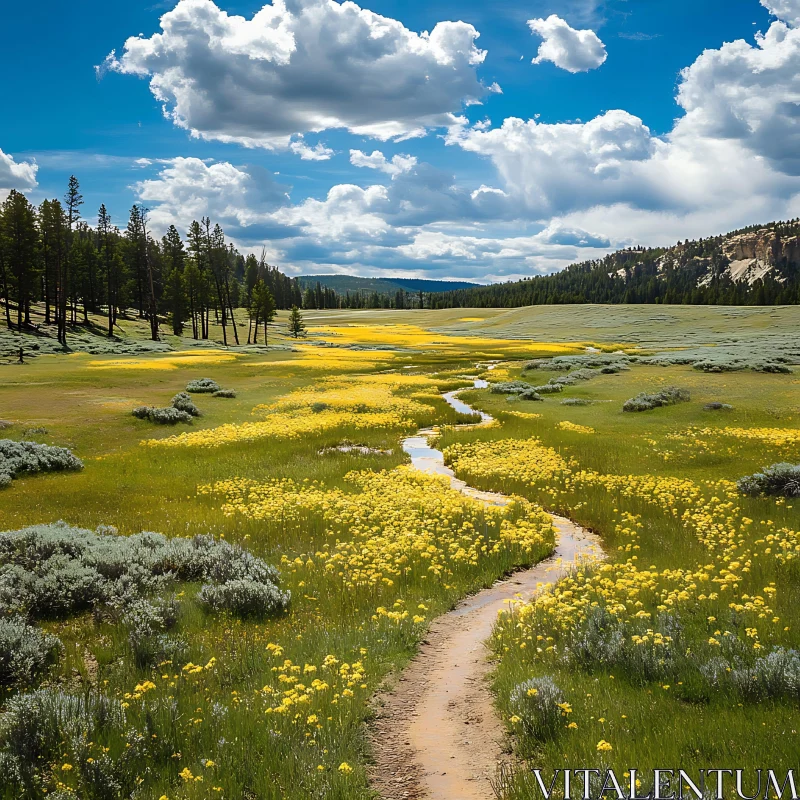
[393,523]
[566,425]
[172,361]
[734,543]
[361,402]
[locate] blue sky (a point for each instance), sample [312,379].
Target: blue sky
[503,167]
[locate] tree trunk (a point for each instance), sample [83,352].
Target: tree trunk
[5,291]
[230,306]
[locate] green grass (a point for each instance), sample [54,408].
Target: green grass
[135,488]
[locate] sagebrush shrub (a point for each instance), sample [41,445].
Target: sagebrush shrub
[36,728]
[25,650]
[536,702]
[162,416]
[666,397]
[600,640]
[511,387]
[717,407]
[202,386]
[230,393]
[576,401]
[57,570]
[17,458]
[772,676]
[244,598]
[781,480]
[183,402]
[548,388]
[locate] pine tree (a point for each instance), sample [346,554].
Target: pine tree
[174,256]
[18,238]
[262,309]
[73,200]
[296,324]
[107,259]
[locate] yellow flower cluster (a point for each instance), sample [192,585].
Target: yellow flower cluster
[778,437]
[305,694]
[361,402]
[172,361]
[392,523]
[710,510]
[566,425]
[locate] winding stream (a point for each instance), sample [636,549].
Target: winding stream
[437,735]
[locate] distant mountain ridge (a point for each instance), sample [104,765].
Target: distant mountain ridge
[353,283]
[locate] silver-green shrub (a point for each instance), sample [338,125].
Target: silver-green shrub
[202,386]
[17,458]
[244,598]
[512,387]
[37,727]
[774,675]
[230,393]
[781,480]
[183,402]
[57,570]
[549,388]
[161,416]
[666,397]
[536,703]
[576,401]
[25,650]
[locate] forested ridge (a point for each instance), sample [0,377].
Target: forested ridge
[690,273]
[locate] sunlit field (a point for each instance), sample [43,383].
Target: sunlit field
[678,650]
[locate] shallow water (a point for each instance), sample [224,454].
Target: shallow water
[430,460]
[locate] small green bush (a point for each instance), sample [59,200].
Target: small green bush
[576,401]
[717,407]
[231,393]
[202,386]
[781,480]
[17,458]
[536,703]
[666,397]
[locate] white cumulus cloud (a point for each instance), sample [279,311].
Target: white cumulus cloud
[16,175]
[302,66]
[319,152]
[186,189]
[748,93]
[568,48]
[786,10]
[377,160]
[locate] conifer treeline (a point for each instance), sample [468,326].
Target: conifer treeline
[49,256]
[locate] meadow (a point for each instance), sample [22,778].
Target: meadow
[658,657]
